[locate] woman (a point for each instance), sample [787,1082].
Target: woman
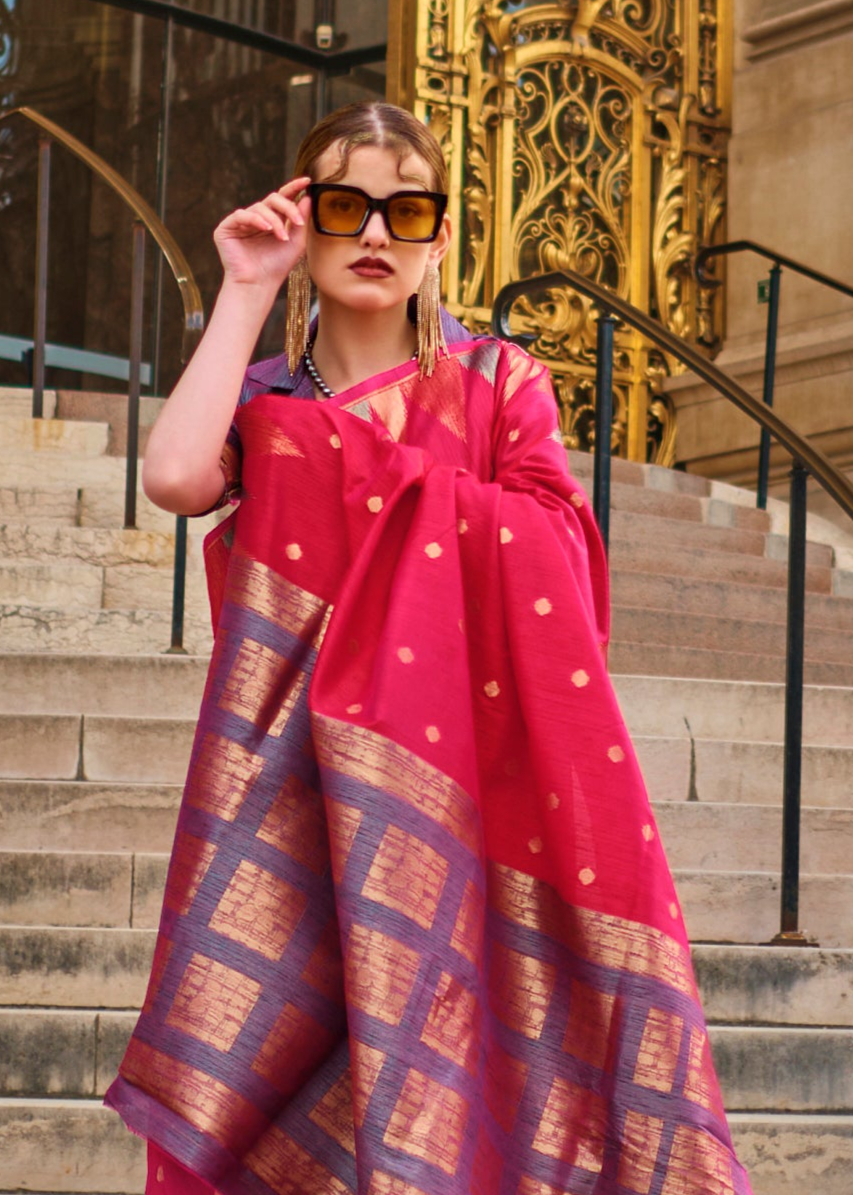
[419,936]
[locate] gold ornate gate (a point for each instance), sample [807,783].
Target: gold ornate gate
[581,133]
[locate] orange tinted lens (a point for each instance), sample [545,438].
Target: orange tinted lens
[340,211]
[412,217]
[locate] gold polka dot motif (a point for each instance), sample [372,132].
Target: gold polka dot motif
[587,876]
[580,679]
[405,655]
[374,504]
[293,552]
[433,550]
[335,440]
[506,535]
[542,607]
[616,754]
[492,688]
[433,734]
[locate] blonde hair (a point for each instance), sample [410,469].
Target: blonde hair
[372,123]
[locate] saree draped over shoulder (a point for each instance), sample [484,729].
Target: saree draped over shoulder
[419,935]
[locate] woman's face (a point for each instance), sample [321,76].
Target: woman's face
[371,271]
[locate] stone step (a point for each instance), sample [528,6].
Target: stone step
[23,436]
[641,627]
[31,582]
[725,771]
[744,907]
[84,505]
[775,985]
[72,967]
[171,686]
[73,1147]
[95,747]
[76,1147]
[737,838]
[66,468]
[789,1154]
[711,709]
[126,817]
[106,890]
[151,685]
[76,1053]
[721,599]
[104,632]
[103,546]
[104,747]
[78,815]
[667,660]
[629,527]
[655,553]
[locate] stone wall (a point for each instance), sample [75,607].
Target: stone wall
[790,187]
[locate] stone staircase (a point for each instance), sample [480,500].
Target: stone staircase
[95,727]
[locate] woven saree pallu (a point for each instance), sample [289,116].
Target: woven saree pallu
[419,935]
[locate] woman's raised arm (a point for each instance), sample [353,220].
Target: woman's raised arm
[258,247]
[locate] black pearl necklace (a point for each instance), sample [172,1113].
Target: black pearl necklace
[314,373]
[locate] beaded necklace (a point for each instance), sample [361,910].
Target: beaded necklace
[314,373]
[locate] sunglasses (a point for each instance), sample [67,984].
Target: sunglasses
[340,211]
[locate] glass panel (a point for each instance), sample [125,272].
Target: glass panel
[237,117]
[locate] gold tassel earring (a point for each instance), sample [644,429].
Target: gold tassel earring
[431,340]
[298,312]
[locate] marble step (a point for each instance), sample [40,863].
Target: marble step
[78,815]
[102,546]
[712,709]
[77,1147]
[656,707]
[28,628]
[649,628]
[720,771]
[789,1154]
[115,890]
[76,1053]
[68,1147]
[150,685]
[654,552]
[74,967]
[104,816]
[721,599]
[23,436]
[721,664]
[84,505]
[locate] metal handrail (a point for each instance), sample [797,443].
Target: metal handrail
[145,218]
[779,260]
[180,267]
[806,459]
[705,255]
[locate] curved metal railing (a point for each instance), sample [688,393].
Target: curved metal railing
[806,460]
[145,218]
[180,267]
[779,260]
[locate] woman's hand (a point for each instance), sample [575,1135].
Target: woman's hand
[259,245]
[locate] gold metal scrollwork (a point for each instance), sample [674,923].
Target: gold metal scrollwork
[589,134]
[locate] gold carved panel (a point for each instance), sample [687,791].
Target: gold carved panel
[588,134]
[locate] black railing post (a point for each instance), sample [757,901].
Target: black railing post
[179,585]
[603,425]
[790,933]
[769,382]
[40,316]
[137,287]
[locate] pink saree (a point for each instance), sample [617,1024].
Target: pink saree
[419,935]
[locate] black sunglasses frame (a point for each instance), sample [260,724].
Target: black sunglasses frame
[316,190]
